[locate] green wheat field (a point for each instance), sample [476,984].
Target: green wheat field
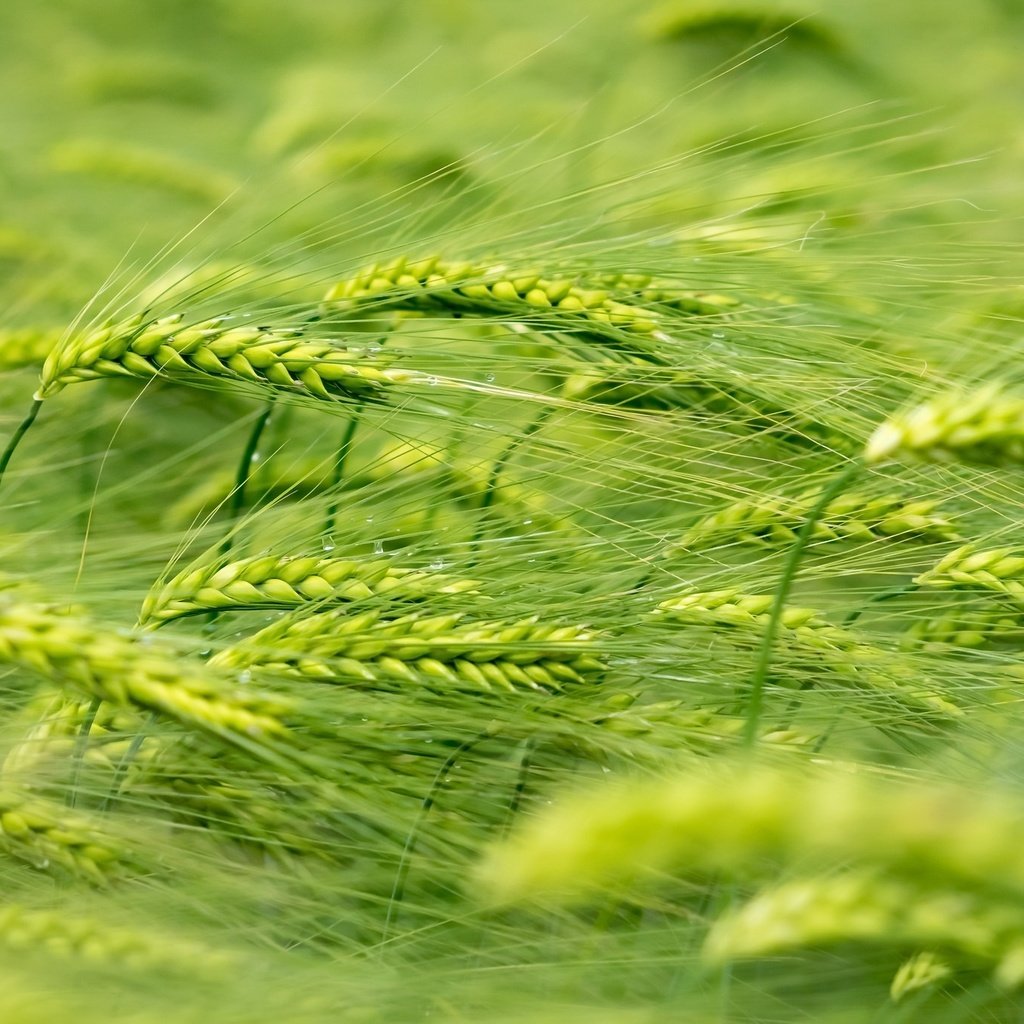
[512,512]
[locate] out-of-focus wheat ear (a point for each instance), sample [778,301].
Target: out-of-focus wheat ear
[921,971]
[47,835]
[984,426]
[92,940]
[867,907]
[111,666]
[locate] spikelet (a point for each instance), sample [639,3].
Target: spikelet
[47,835]
[734,817]
[1000,570]
[985,427]
[276,581]
[804,631]
[864,906]
[922,970]
[96,941]
[218,349]
[367,648]
[73,652]
[775,520]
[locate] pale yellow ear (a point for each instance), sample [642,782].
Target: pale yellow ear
[984,426]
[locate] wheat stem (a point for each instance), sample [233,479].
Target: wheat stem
[15,440]
[402,873]
[789,569]
[338,473]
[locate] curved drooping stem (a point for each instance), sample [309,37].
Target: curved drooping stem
[340,458]
[22,430]
[238,494]
[828,495]
[494,477]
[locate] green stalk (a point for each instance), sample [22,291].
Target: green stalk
[499,466]
[18,435]
[834,489]
[402,874]
[238,495]
[339,469]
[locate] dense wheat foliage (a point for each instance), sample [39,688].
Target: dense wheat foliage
[541,536]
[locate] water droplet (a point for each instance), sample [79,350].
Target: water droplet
[42,864]
[432,381]
[245,676]
[255,457]
[490,378]
[527,522]
[378,547]
[428,741]
[369,519]
[437,563]
[374,349]
[718,334]
[328,543]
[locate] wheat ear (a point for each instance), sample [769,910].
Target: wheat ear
[774,520]
[1000,570]
[733,817]
[804,630]
[464,288]
[27,346]
[137,166]
[96,941]
[965,627]
[985,426]
[281,581]
[218,349]
[114,667]
[368,648]
[922,970]
[44,834]
[864,906]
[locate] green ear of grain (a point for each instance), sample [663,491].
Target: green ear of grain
[775,520]
[219,350]
[71,651]
[289,581]
[420,649]
[736,818]
[869,908]
[985,427]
